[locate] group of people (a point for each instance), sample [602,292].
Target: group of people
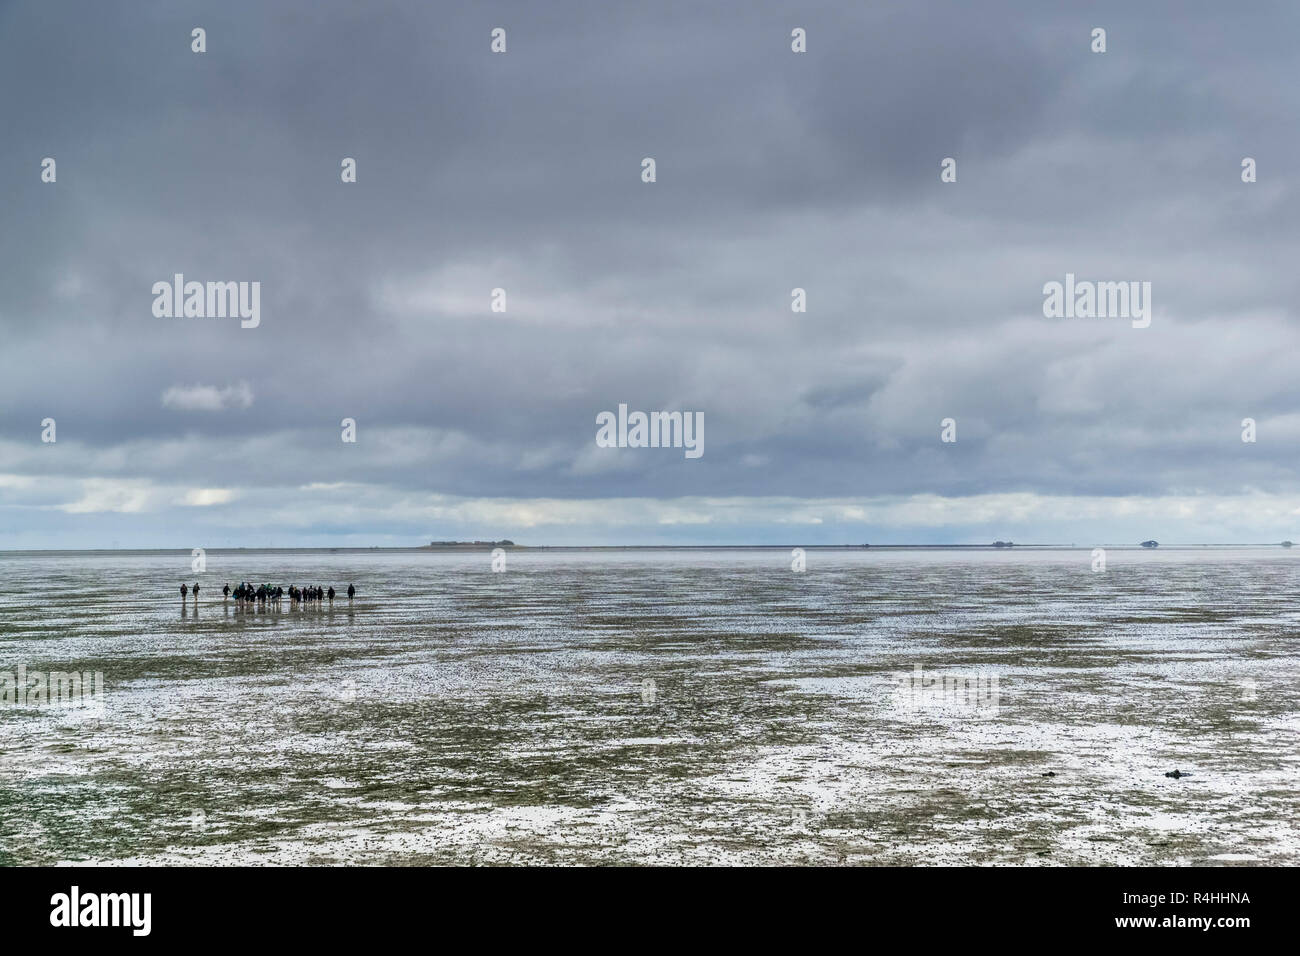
[264,594]
[314,594]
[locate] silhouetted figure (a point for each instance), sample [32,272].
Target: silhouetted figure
[196,590]
[225,592]
[331,592]
[351,591]
[184,592]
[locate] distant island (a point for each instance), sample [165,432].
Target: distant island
[1003,544]
[1151,544]
[503,543]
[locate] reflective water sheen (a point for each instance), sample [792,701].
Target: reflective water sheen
[659,707]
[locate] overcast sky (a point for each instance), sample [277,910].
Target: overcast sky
[522,171]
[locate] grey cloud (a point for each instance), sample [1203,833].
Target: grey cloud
[775,171]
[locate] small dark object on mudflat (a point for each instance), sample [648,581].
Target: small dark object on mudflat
[1176,774]
[1050,773]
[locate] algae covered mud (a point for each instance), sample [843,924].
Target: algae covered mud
[659,707]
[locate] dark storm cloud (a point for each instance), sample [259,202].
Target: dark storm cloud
[775,170]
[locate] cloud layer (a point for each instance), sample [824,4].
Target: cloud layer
[521,171]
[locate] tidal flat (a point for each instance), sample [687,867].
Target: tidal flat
[668,707]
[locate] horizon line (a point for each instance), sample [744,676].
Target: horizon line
[469,546]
